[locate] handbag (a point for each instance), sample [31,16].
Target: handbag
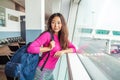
[13,69]
[23,64]
[20,61]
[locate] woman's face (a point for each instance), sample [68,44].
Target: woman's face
[56,24]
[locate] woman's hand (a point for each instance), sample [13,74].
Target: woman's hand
[58,53]
[52,44]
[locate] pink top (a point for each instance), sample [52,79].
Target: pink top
[44,40]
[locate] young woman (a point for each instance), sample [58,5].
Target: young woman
[60,45]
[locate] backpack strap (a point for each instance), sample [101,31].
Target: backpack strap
[52,38]
[45,61]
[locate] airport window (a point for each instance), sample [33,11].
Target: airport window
[83,30]
[117,33]
[102,32]
[13,18]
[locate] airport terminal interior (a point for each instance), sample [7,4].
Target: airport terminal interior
[93,26]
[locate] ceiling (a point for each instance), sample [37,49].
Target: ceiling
[48,7]
[21,2]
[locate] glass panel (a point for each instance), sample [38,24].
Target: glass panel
[2,16]
[13,18]
[97,51]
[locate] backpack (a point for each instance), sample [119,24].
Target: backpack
[23,64]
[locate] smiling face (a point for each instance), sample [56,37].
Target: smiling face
[56,24]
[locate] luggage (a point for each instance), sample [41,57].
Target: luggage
[23,64]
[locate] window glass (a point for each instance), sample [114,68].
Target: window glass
[2,16]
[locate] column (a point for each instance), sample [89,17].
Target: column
[35,18]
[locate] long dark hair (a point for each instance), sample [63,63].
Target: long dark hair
[63,34]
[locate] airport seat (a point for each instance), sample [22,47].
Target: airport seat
[13,48]
[13,44]
[4,59]
[21,44]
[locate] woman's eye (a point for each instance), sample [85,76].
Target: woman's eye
[53,22]
[59,23]
[56,22]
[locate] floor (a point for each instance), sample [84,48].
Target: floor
[2,75]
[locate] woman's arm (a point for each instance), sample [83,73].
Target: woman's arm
[60,53]
[50,47]
[71,49]
[36,46]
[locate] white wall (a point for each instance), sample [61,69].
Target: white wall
[35,14]
[99,13]
[12,25]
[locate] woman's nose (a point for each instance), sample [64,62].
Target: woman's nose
[56,25]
